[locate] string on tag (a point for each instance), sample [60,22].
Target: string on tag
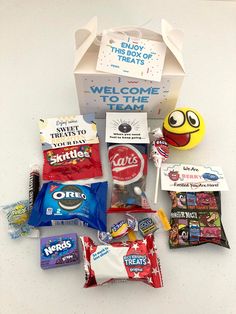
[116,32]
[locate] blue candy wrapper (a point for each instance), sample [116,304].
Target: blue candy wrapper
[59,203]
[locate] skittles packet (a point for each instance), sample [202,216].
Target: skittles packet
[58,204]
[196,219]
[119,261]
[70,148]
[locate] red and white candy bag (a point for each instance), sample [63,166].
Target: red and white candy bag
[119,261]
[70,148]
[127,138]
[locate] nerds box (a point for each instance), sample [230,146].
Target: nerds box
[128,69]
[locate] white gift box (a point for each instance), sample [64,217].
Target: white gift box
[100,92]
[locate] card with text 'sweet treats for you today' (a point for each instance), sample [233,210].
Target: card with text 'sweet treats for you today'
[130,56]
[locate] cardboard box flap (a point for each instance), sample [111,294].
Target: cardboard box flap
[84,37]
[173,39]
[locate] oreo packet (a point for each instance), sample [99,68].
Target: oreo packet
[58,204]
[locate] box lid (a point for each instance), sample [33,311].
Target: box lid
[87,47]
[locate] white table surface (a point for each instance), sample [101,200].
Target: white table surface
[36,80]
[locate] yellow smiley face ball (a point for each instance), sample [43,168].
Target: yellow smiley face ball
[183,128]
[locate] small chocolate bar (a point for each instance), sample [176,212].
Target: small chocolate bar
[61,250]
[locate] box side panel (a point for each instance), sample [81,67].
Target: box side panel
[101,93]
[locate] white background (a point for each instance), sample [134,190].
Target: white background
[36,80]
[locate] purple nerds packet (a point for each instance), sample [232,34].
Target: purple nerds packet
[61,250]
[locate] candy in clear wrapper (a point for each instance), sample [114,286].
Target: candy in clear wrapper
[58,204]
[196,219]
[129,169]
[17,215]
[159,147]
[121,261]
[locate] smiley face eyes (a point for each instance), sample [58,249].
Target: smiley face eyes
[193,119]
[176,119]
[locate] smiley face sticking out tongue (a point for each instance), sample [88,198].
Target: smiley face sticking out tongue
[183,128]
[177,140]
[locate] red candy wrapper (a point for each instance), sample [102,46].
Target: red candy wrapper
[129,169]
[119,261]
[72,163]
[70,148]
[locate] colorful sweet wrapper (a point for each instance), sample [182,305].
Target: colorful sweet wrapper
[121,261]
[70,148]
[129,169]
[154,222]
[34,185]
[17,215]
[120,229]
[57,251]
[196,219]
[58,204]
[159,153]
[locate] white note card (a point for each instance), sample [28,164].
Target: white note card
[129,56]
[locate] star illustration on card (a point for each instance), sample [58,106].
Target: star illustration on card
[135,246]
[154,271]
[149,280]
[136,275]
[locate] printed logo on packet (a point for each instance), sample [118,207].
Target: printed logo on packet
[68,156]
[70,197]
[136,262]
[55,248]
[127,163]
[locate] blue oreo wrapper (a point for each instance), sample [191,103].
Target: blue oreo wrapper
[59,203]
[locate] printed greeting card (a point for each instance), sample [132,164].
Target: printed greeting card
[129,56]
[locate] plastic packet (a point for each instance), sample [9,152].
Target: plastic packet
[58,204]
[196,219]
[129,169]
[121,261]
[17,215]
[70,148]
